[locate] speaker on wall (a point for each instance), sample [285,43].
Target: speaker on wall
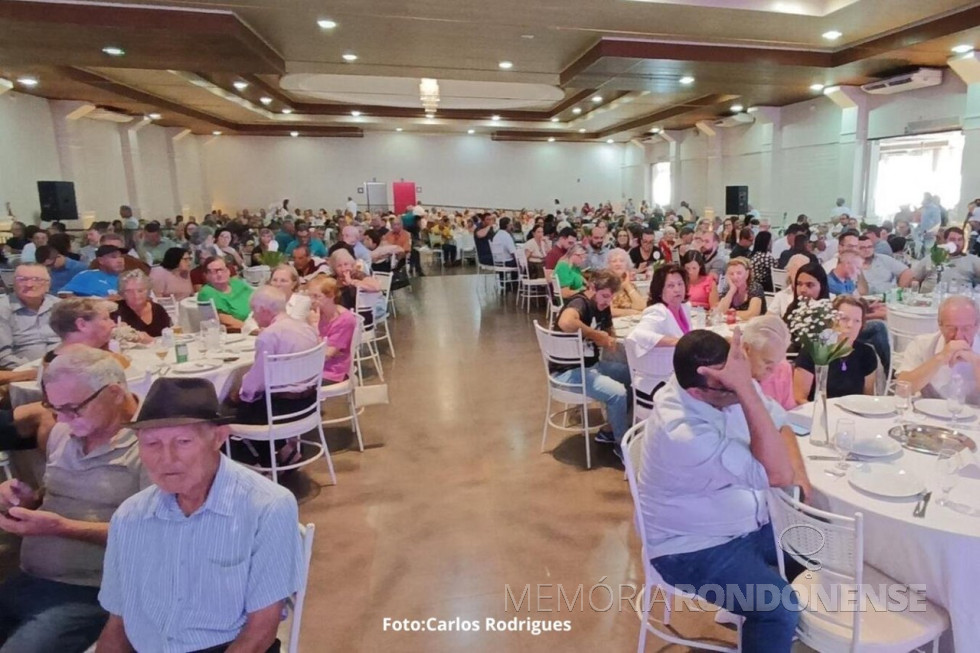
[736,200]
[57,200]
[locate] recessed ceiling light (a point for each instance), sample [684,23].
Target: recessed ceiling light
[216,133]
[355,113]
[737,108]
[495,118]
[551,140]
[577,110]
[326,23]
[470,131]
[265,100]
[287,111]
[349,57]
[609,140]
[831,89]
[555,119]
[962,49]
[597,98]
[686,79]
[816,87]
[113,51]
[294,134]
[655,130]
[505,65]
[527,36]
[398,129]
[240,85]
[30,82]
[832,35]
[154,116]
[582,131]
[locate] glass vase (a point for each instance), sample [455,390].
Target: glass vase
[819,429]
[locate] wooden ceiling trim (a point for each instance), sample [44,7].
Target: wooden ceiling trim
[663,114]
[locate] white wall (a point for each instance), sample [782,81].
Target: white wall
[451,170]
[27,152]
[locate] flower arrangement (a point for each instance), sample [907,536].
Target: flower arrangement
[272,259]
[813,326]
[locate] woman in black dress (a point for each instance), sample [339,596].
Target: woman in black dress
[146,317]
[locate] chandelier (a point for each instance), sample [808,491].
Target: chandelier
[429,94]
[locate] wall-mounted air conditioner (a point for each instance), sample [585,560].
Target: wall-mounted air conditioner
[921,78]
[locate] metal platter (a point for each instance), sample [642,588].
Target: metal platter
[931,439]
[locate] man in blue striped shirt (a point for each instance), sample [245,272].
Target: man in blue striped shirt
[205,559]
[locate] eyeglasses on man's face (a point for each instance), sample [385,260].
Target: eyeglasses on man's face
[22,279]
[71,411]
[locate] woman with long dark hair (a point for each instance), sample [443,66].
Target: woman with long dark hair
[811,283]
[762,260]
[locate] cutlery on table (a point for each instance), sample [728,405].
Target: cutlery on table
[854,412]
[850,458]
[922,504]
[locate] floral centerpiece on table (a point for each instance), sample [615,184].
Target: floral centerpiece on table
[272,259]
[813,325]
[939,255]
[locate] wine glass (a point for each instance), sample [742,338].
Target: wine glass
[843,443]
[955,396]
[948,465]
[903,404]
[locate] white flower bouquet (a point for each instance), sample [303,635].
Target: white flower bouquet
[813,326]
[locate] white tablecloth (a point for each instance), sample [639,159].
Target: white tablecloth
[146,368]
[941,551]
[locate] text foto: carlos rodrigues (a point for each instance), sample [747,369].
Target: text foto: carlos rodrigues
[490,625]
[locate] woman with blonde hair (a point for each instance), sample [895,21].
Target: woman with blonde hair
[766,339]
[628,300]
[335,324]
[739,291]
[83,321]
[286,279]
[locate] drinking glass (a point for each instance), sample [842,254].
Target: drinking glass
[913,291]
[903,404]
[223,336]
[948,465]
[161,348]
[955,396]
[844,442]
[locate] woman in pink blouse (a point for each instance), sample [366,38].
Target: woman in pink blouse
[766,339]
[336,325]
[173,276]
[701,287]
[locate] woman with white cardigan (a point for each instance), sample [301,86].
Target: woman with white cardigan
[667,317]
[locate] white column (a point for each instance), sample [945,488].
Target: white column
[769,200]
[853,143]
[133,164]
[715,181]
[967,66]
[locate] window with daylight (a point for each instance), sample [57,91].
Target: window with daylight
[661,183]
[904,168]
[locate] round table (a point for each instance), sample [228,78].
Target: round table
[941,550]
[146,368]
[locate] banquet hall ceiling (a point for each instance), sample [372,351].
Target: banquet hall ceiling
[183,58]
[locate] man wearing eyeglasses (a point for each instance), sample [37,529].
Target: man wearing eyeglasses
[92,466]
[25,334]
[713,448]
[230,294]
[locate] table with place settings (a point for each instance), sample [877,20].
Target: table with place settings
[223,366]
[940,550]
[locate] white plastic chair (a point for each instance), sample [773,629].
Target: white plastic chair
[435,248]
[282,371]
[346,389]
[528,288]
[384,280]
[170,305]
[837,542]
[556,301]
[257,274]
[565,349]
[466,246]
[778,278]
[364,306]
[381,322]
[903,327]
[647,372]
[632,445]
[295,603]
[505,275]
[7,278]
[190,314]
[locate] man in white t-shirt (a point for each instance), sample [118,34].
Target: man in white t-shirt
[840,209]
[351,206]
[930,360]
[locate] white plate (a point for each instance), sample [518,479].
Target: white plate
[232,338]
[937,408]
[868,406]
[195,367]
[885,480]
[876,446]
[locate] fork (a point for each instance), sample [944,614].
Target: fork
[922,504]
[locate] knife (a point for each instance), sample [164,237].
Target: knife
[920,511]
[834,458]
[854,412]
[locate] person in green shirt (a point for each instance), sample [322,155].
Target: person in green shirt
[231,295]
[569,271]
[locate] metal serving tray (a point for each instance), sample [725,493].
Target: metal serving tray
[931,439]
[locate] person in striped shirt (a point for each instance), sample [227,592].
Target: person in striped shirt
[204,560]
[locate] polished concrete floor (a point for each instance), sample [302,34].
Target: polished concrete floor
[453,501]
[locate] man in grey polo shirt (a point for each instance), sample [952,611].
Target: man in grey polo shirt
[92,466]
[882,273]
[24,331]
[959,267]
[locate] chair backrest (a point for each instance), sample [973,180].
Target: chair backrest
[562,349]
[7,277]
[367,304]
[557,301]
[170,305]
[306,533]
[632,446]
[522,268]
[190,315]
[257,274]
[465,241]
[500,257]
[384,280]
[778,278]
[286,372]
[905,326]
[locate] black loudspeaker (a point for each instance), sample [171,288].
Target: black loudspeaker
[57,200]
[736,200]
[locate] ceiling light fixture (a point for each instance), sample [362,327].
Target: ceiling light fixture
[551,140]
[154,116]
[831,89]
[832,35]
[216,133]
[29,82]
[963,49]
[527,36]
[505,65]
[113,51]
[349,57]
[294,134]
[752,109]
[816,87]
[495,118]
[737,108]
[577,110]
[582,131]
[686,80]
[429,94]
[470,131]
[597,98]
[287,111]
[609,140]
[656,130]
[326,23]
[355,113]
[555,119]
[240,85]
[398,129]
[265,100]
